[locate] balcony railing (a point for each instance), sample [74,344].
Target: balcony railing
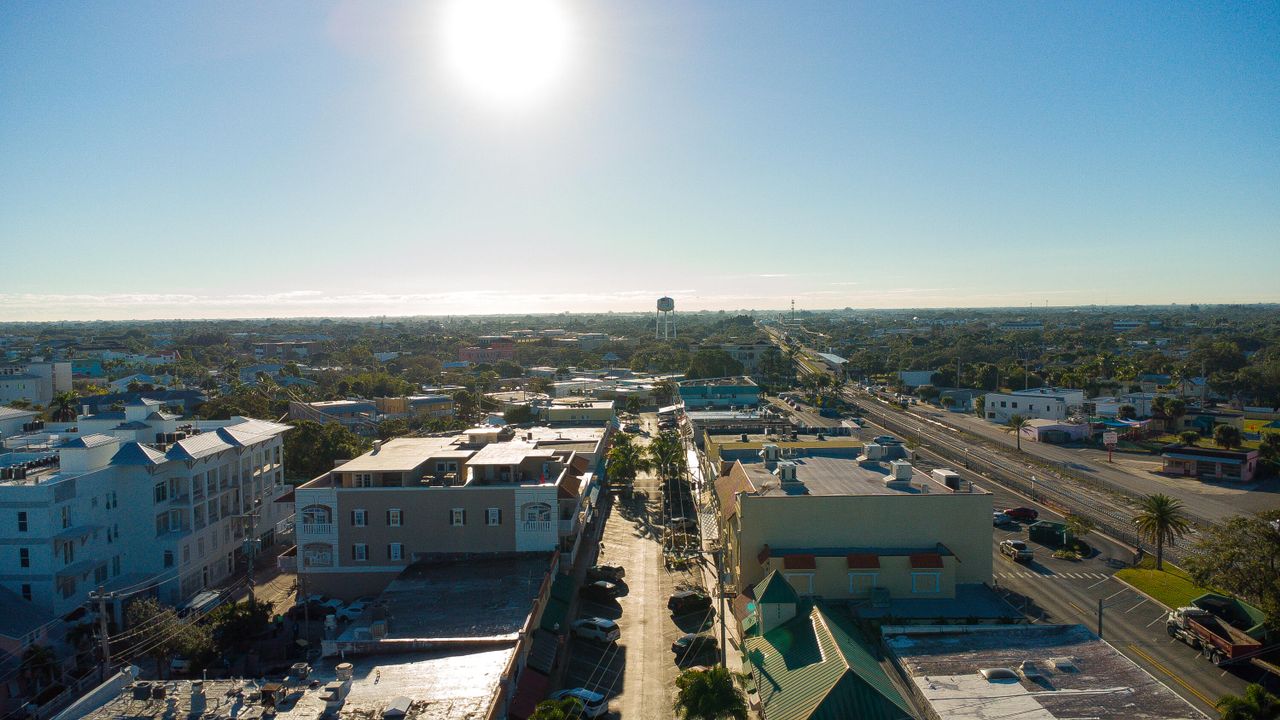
[307,528]
[537,526]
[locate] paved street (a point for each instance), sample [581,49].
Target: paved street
[637,673]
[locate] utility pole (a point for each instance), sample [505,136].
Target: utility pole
[251,546]
[1099,617]
[101,597]
[724,647]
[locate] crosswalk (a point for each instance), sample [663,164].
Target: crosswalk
[1053,575]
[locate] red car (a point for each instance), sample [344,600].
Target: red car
[1022,514]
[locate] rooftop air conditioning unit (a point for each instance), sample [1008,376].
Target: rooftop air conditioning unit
[873,451]
[900,469]
[786,472]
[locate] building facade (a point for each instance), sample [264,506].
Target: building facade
[34,382]
[715,393]
[1043,403]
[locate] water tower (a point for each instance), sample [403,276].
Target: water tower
[666,326]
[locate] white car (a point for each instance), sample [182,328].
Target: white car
[593,704]
[352,611]
[595,628]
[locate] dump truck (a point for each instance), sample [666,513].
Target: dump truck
[1217,640]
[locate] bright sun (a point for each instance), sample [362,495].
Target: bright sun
[506,52]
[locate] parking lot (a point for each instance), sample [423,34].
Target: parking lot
[638,671]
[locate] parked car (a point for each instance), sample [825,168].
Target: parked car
[683,523]
[598,629]
[611,573]
[631,427]
[999,518]
[599,591]
[334,603]
[1022,514]
[593,704]
[691,647]
[180,665]
[1016,550]
[684,602]
[354,610]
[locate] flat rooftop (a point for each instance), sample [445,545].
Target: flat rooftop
[1083,677]
[508,453]
[819,475]
[475,598]
[442,685]
[740,381]
[400,454]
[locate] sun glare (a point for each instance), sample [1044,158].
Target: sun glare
[506,52]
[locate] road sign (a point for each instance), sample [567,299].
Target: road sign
[1109,438]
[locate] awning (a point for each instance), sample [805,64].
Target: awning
[799,562]
[530,691]
[863,560]
[926,560]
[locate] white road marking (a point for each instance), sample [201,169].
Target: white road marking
[1104,579]
[1118,592]
[1135,607]
[1158,619]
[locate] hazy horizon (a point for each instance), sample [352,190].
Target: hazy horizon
[302,159]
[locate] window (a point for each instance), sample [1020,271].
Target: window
[1002,404]
[362,480]
[168,558]
[493,516]
[26,591]
[395,517]
[24,557]
[65,514]
[926,582]
[199,547]
[22,522]
[457,517]
[161,492]
[1014,404]
[359,517]
[395,551]
[360,552]
[115,566]
[861,583]
[68,553]
[802,582]
[100,574]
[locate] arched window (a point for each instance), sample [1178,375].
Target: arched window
[316,514]
[535,512]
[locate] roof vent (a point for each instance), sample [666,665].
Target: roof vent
[998,673]
[873,451]
[1064,664]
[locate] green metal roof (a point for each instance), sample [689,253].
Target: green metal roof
[818,667]
[558,604]
[775,589]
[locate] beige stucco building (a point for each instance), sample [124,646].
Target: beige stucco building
[483,492]
[838,524]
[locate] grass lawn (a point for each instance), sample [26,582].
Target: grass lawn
[1172,586]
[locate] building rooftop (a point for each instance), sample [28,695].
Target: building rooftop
[10,413]
[473,599]
[1080,675]
[836,475]
[400,454]
[1042,392]
[508,453]
[740,381]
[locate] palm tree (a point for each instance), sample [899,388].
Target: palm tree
[1255,704]
[666,452]
[63,406]
[625,460]
[1227,436]
[709,695]
[1161,520]
[1016,425]
[1174,408]
[567,709]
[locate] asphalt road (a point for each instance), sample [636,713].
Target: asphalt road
[638,672]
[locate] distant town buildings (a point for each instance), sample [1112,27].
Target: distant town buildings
[1045,403]
[34,382]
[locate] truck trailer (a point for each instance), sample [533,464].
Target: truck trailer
[1217,640]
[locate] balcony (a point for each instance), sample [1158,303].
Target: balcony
[536,526]
[306,528]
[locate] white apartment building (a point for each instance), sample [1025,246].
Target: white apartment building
[148,502]
[1044,403]
[34,382]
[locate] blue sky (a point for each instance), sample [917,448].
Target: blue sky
[305,158]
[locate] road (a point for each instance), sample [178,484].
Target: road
[638,672]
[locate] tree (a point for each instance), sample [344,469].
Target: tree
[1242,556]
[1269,450]
[947,401]
[518,414]
[39,665]
[979,405]
[1016,425]
[63,407]
[569,708]
[161,633]
[1161,520]
[234,624]
[1174,409]
[709,695]
[712,363]
[666,452]
[625,460]
[1078,525]
[1189,437]
[311,448]
[1227,436]
[1255,704]
[1126,412]
[633,405]
[927,392]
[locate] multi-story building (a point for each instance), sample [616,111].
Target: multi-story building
[34,382]
[142,504]
[710,393]
[15,421]
[1046,403]
[434,406]
[843,525]
[483,492]
[489,349]
[580,412]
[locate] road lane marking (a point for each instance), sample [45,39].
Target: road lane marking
[1135,607]
[1141,653]
[1108,577]
[1158,619]
[1121,590]
[1077,607]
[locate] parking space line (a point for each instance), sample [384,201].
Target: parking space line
[1158,619]
[1135,607]
[1108,577]
[1118,592]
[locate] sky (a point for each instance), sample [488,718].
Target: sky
[245,159]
